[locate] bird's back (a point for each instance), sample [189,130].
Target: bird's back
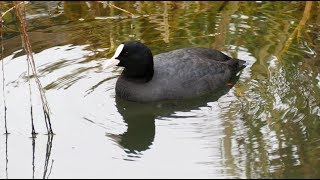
[181,73]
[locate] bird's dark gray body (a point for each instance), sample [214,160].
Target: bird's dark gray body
[181,73]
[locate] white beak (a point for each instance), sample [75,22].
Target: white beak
[110,63]
[114,61]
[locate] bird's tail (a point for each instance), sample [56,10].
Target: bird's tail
[241,64]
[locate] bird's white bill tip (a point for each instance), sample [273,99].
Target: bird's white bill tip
[118,51]
[114,61]
[110,63]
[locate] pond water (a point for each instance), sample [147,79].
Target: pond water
[266,126]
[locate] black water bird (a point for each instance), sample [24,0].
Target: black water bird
[178,74]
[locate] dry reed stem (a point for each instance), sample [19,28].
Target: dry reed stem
[27,47]
[297,30]
[3,78]
[10,9]
[111,5]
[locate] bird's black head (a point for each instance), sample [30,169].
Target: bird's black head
[137,60]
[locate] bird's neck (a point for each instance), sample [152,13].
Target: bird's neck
[135,75]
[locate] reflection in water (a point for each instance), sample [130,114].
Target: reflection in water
[140,117]
[46,174]
[7,160]
[33,154]
[140,126]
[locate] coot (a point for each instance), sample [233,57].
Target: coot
[178,74]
